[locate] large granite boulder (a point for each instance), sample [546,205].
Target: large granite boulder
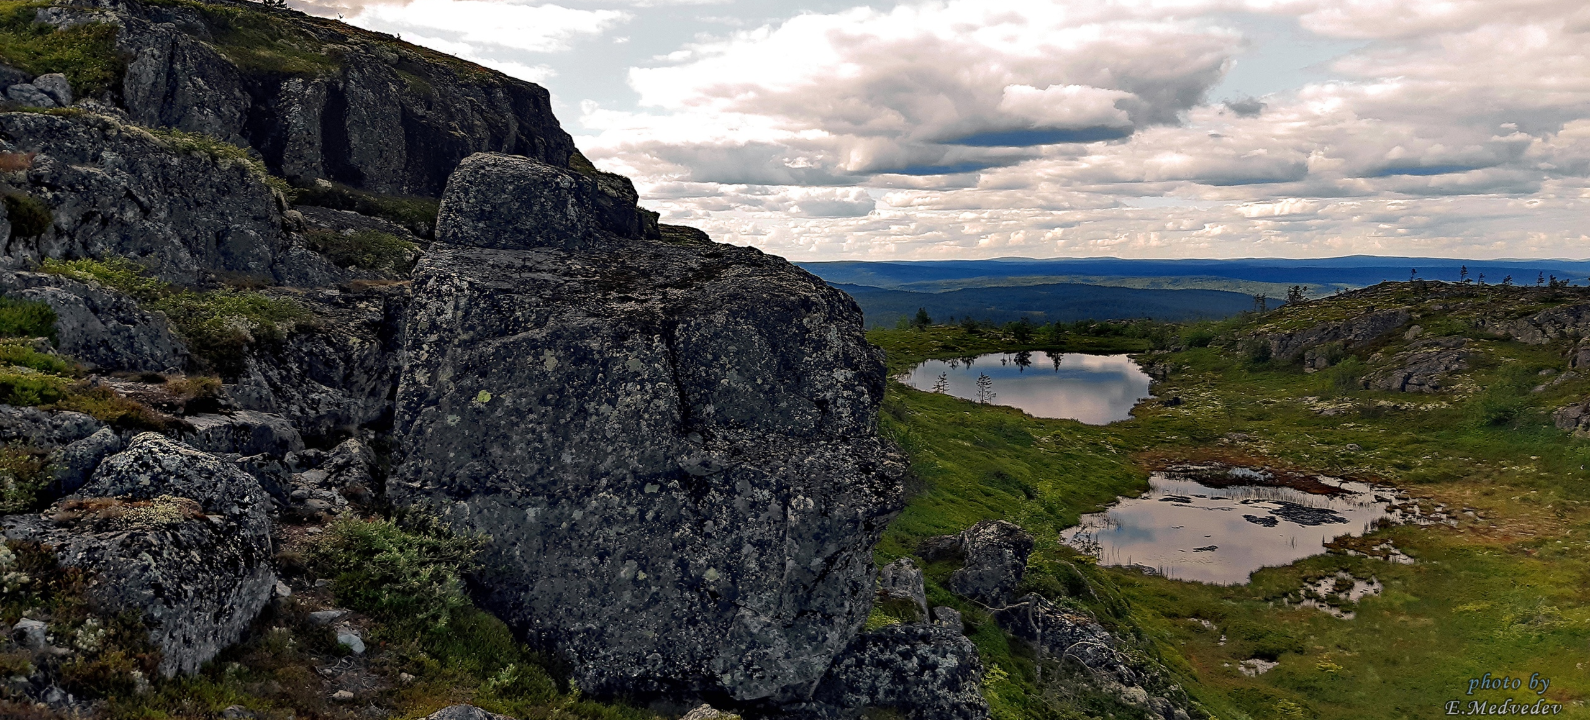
[994,553]
[672,448]
[172,533]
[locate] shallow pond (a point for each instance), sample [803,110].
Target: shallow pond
[1187,530]
[1094,389]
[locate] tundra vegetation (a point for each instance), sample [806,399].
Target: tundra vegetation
[1500,589]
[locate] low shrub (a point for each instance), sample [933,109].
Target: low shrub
[26,319]
[366,249]
[28,215]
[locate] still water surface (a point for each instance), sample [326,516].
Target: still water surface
[1095,389]
[1185,530]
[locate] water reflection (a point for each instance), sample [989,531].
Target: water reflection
[1095,389]
[1186,530]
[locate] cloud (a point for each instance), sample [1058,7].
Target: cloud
[500,34]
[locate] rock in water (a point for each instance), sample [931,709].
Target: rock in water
[172,533]
[672,448]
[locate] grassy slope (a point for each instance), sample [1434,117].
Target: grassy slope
[1506,594]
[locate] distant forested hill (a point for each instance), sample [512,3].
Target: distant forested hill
[1067,302]
[1331,273]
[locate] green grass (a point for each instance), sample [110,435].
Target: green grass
[263,41]
[219,325]
[26,319]
[86,54]
[418,214]
[1509,594]
[366,249]
[183,142]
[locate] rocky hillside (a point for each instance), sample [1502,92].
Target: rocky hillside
[336,383]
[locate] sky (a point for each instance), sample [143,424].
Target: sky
[832,130]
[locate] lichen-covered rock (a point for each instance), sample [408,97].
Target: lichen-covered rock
[336,377]
[673,451]
[996,559]
[44,428]
[114,189]
[100,327]
[1424,368]
[244,432]
[1574,418]
[172,533]
[1063,635]
[515,203]
[464,712]
[901,592]
[374,113]
[72,465]
[924,672]
[1354,332]
[1566,321]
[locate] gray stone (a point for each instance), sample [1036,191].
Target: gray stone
[117,190]
[11,76]
[1065,635]
[513,203]
[44,428]
[900,588]
[326,617]
[245,432]
[100,327]
[1574,418]
[29,96]
[1566,321]
[350,464]
[948,617]
[171,533]
[31,634]
[72,465]
[925,672]
[56,86]
[996,559]
[351,640]
[566,404]
[1352,333]
[1424,368]
[464,712]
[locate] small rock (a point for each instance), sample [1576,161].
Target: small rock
[949,617]
[282,590]
[406,678]
[238,712]
[29,96]
[56,86]
[996,560]
[703,712]
[1353,447]
[351,640]
[342,696]
[464,712]
[326,617]
[901,592]
[31,634]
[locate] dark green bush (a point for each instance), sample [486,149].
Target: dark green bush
[26,319]
[410,578]
[28,215]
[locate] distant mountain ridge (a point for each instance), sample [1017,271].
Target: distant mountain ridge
[1065,302]
[1348,271]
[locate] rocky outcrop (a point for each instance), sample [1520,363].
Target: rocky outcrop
[671,448]
[41,428]
[1288,346]
[1066,636]
[464,712]
[244,432]
[1574,418]
[994,553]
[1567,321]
[338,103]
[171,533]
[114,189]
[1423,368]
[334,377]
[535,205]
[924,672]
[72,465]
[100,328]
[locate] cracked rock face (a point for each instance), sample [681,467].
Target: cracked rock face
[1424,368]
[672,449]
[1352,333]
[173,533]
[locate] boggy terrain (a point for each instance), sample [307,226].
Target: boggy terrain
[1468,398]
